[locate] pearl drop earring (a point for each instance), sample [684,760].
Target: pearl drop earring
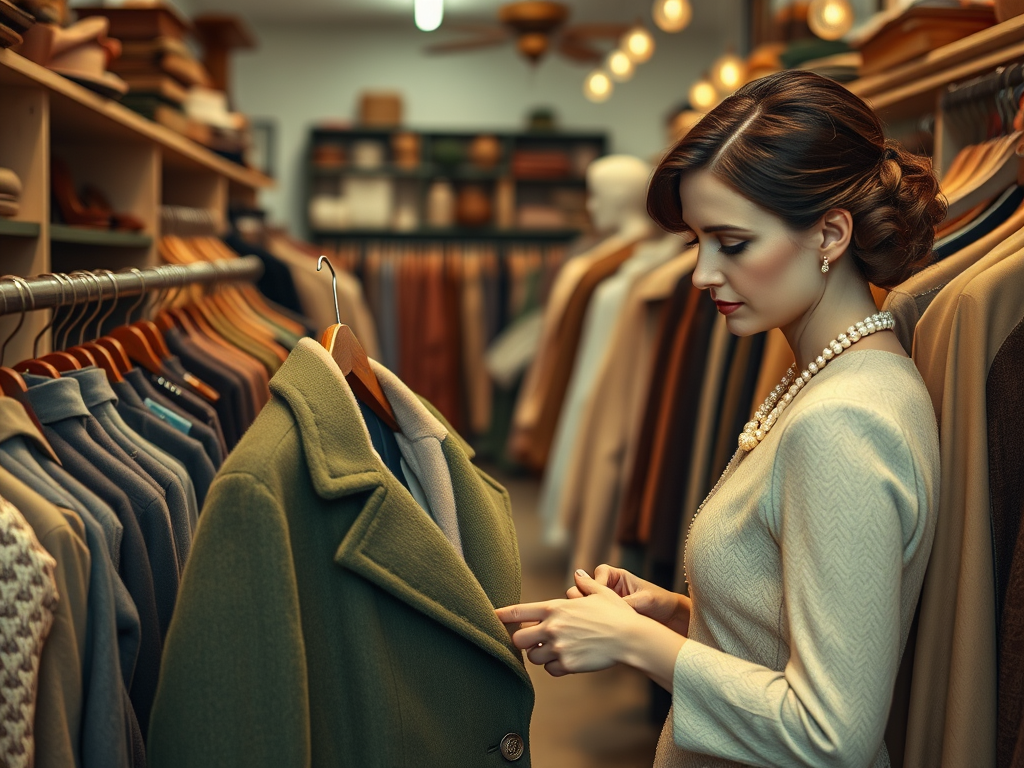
[824,266]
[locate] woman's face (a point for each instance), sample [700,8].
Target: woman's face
[761,274]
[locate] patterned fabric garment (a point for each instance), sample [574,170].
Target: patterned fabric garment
[28,597]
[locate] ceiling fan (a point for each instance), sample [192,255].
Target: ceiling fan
[537,26]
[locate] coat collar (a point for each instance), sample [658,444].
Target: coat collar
[15,422]
[393,542]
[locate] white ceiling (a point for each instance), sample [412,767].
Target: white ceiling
[708,14]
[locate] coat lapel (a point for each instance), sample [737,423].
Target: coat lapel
[393,542]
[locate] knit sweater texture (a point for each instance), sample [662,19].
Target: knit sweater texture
[805,569]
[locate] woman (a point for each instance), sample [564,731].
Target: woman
[805,563]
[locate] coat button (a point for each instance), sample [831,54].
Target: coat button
[512,747]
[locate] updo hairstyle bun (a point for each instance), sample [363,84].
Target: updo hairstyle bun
[798,145]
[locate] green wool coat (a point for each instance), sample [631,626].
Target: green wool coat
[323,619]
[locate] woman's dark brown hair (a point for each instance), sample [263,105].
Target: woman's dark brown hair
[798,145]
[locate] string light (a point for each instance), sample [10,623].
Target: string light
[728,73]
[620,66]
[597,87]
[830,19]
[428,14]
[638,44]
[672,15]
[703,96]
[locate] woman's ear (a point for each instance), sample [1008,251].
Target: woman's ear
[836,232]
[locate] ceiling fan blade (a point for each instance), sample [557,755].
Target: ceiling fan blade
[467,45]
[578,52]
[601,31]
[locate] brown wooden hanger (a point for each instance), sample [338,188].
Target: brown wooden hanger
[11,382]
[38,367]
[90,350]
[133,340]
[351,358]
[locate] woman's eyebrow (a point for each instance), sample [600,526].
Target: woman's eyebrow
[725,228]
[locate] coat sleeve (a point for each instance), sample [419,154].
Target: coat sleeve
[233,689]
[844,478]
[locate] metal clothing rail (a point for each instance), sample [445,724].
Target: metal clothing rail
[984,86]
[24,294]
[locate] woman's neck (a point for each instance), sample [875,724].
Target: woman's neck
[811,333]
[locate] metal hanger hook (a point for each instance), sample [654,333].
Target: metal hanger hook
[21,319]
[85,307]
[99,306]
[142,295]
[53,315]
[334,282]
[113,305]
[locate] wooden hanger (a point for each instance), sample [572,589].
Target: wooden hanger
[38,367]
[351,358]
[90,350]
[135,343]
[11,382]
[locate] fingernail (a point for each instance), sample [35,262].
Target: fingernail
[581,572]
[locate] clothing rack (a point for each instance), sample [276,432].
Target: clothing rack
[984,86]
[31,293]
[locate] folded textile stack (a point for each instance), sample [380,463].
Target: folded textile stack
[156,63]
[540,164]
[13,22]
[10,192]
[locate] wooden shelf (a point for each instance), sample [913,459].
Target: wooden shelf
[19,228]
[79,110]
[61,233]
[455,233]
[904,90]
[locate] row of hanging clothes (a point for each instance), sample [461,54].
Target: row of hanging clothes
[108,447]
[960,694]
[455,321]
[636,392]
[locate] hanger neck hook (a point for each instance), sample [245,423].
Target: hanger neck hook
[113,305]
[334,283]
[99,305]
[85,309]
[142,295]
[53,315]
[21,318]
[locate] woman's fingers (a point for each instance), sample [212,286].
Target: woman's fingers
[573,592]
[556,668]
[516,614]
[529,637]
[541,655]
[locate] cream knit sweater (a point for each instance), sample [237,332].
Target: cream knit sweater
[805,570]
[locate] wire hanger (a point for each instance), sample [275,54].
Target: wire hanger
[351,358]
[38,367]
[134,341]
[11,382]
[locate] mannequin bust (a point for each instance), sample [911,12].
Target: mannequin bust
[617,196]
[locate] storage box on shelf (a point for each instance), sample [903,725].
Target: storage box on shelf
[368,183]
[136,164]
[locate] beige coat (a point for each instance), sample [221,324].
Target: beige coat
[952,718]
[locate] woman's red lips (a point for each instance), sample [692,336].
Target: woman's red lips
[728,307]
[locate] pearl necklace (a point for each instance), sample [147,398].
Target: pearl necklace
[778,399]
[755,430]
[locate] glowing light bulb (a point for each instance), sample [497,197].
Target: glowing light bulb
[638,44]
[830,19]
[620,66]
[428,14]
[728,73]
[597,87]
[672,15]
[703,95]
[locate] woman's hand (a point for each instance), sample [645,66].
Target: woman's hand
[665,607]
[594,632]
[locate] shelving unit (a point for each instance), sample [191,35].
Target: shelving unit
[138,164]
[410,185]
[915,89]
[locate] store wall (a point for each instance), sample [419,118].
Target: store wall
[304,73]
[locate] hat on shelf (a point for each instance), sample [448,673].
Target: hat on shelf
[210,107]
[10,192]
[80,52]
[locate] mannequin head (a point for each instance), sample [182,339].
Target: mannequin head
[617,193]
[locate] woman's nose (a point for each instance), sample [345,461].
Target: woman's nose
[706,274]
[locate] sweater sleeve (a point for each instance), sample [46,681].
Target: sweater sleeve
[233,682]
[842,479]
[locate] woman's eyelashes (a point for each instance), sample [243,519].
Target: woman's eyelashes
[732,250]
[728,250]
